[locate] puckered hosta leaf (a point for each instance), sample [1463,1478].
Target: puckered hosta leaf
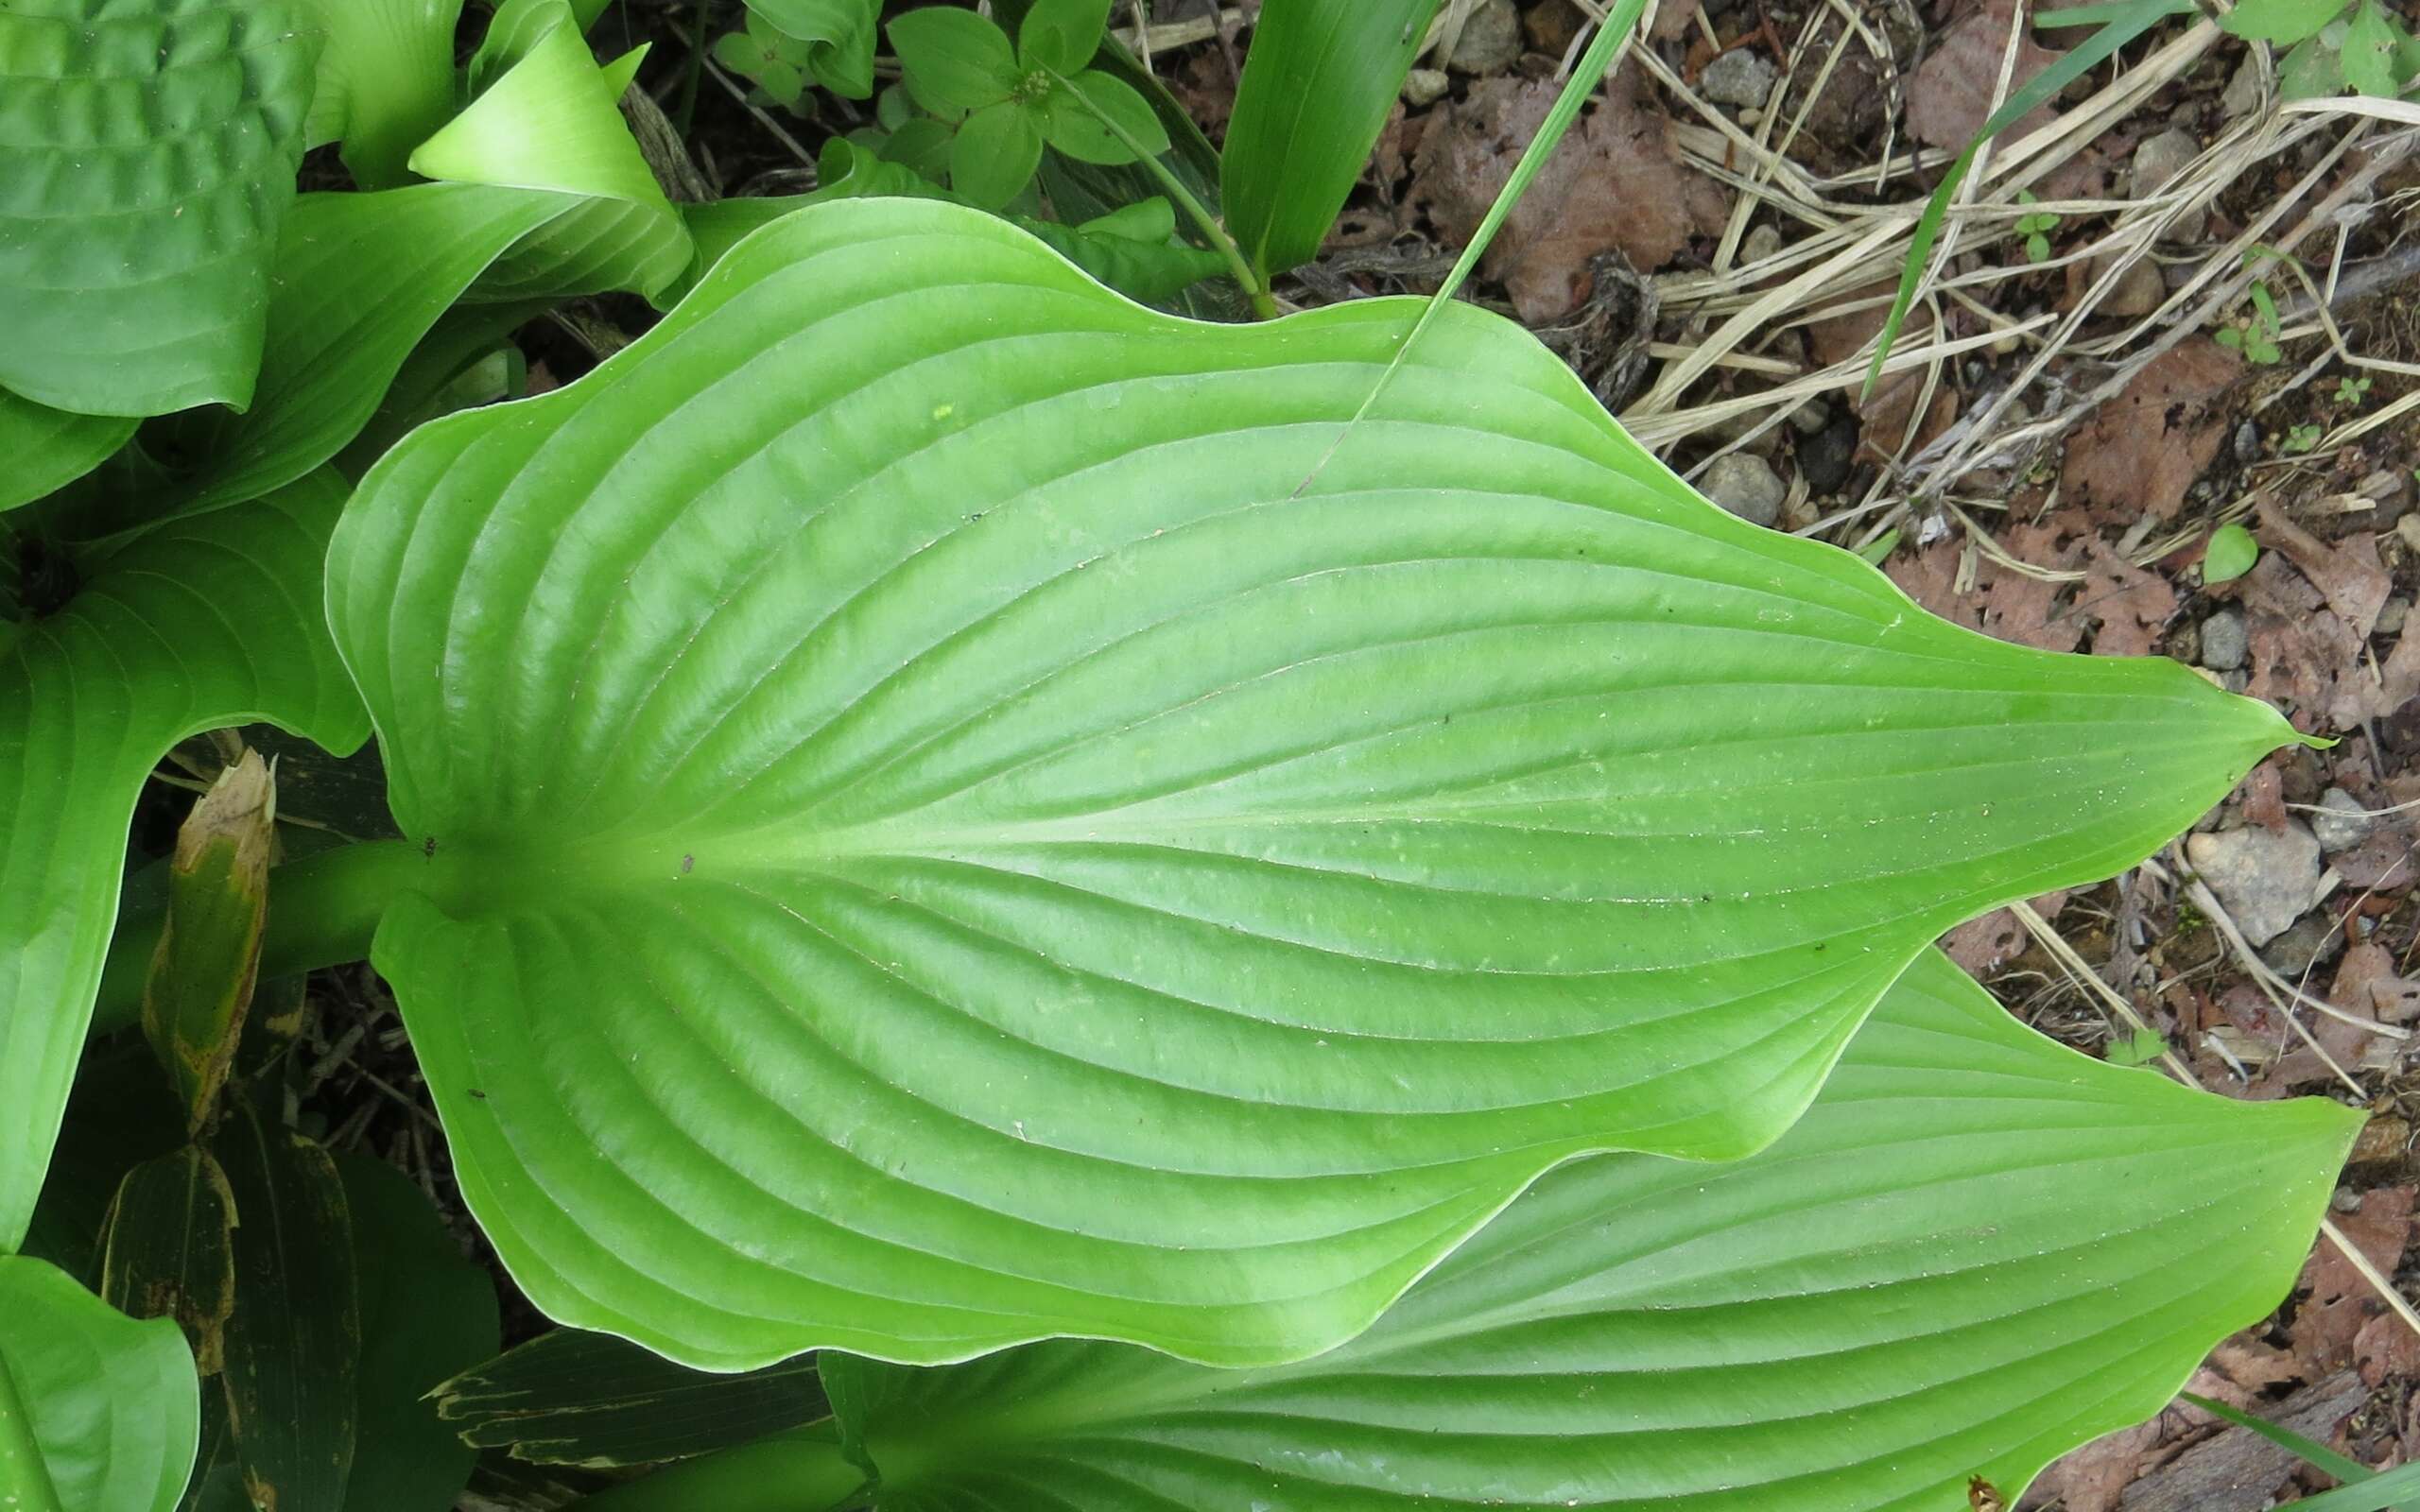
[98,1412]
[1963,1261]
[147,150]
[1013,829]
[207,622]
[48,448]
[361,279]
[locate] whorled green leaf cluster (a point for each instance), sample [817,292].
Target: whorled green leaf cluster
[1219,914]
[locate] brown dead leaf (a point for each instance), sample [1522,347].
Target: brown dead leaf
[2264,796]
[2384,860]
[1986,944]
[2308,661]
[2340,1302]
[1617,182]
[2094,1478]
[2347,575]
[1890,412]
[2142,449]
[2367,981]
[2004,604]
[1950,93]
[2131,607]
[2243,1367]
[2386,1346]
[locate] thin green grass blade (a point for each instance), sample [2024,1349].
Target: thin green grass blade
[2373,1495]
[2352,1473]
[2120,22]
[1594,64]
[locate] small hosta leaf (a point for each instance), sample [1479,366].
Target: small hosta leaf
[147,150]
[206,622]
[98,1412]
[1025,826]
[1958,1266]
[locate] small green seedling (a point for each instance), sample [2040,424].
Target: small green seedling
[2140,1048]
[2230,555]
[2301,438]
[2257,336]
[2352,391]
[2036,228]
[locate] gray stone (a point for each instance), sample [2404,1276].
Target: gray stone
[2393,614]
[2264,878]
[1811,417]
[1424,86]
[1491,39]
[2247,442]
[2311,945]
[1746,487]
[2138,290]
[1742,77]
[2242,94]
[1760,243]
[2224,642]
[2341,822]
[2157,161]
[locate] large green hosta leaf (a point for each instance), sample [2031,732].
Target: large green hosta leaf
[206,622]
[960,813]
[98,1412]
[147,150]
[1963,1261]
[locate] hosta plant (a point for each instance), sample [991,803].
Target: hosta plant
[1256,914]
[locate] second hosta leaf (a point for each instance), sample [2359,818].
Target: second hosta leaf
[147,150]
[959,810]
